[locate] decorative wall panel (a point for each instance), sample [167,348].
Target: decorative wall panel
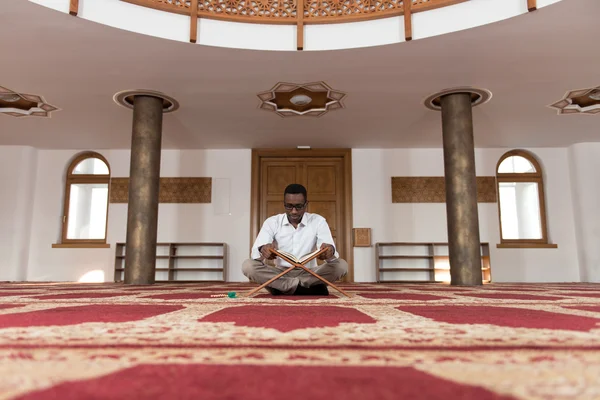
[579,101]
[294,12]
[317,99]
[172,190]
[432,189]
[286,11]
[24,105]
[361,237]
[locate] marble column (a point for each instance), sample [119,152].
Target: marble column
[461,190]
[144,178]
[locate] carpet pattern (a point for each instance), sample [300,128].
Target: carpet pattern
[388,341]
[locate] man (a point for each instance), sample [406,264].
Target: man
[299,233]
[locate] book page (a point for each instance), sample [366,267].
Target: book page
[288,255]
[307,256]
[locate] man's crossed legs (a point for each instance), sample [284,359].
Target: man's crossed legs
[297,281]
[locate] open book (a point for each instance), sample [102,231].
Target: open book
[292,259]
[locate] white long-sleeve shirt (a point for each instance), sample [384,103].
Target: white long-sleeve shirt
[311,233]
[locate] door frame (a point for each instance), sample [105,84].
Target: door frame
[344,154]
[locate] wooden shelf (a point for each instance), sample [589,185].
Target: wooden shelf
[405,269]
[413,281]
[190,253]
[182,269]
[157,257]
[157,269]
[198,257]
[183,244]
[401,259]
[197,269]
[411,243]
[188,281]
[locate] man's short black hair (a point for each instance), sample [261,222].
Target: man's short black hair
[295,188]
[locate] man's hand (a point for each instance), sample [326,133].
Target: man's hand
[266,252]
[327,254]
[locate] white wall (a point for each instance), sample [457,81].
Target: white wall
[46,263]
[246,36]
[544,3]
[177,222]
[465,15]
[425,24]
[133,18]
[36,177]
[584,160]
[354,34]
[373,208]
[17,179]
[58,5]
[198,222]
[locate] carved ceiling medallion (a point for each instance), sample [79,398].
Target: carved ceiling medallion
[311,99]
[23,105]
[581,101]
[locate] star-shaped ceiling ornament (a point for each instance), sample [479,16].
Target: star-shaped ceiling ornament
[581,101]
[291,99]
[23,105]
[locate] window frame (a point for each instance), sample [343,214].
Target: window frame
[518,177]
[71,179]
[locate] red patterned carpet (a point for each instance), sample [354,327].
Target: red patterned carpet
[175,341]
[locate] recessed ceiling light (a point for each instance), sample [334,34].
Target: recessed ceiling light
[579,101]
[307,99]
[300,100]
[595,95]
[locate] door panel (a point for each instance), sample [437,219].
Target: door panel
[324,180]
[326,209]
[321,179]
[319,176]
[279,176]
[276,175]
[273,208]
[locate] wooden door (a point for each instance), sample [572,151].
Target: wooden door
[325,178]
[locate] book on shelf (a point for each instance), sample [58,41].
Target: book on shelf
[292,259]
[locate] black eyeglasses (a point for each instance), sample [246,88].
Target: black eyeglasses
[298,207]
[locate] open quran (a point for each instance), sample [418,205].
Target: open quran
[292,259]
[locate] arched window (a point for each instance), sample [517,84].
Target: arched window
[521,200]
[86,200]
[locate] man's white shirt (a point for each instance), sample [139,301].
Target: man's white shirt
[311,233]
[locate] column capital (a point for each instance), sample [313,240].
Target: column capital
[125,99]
[478,96]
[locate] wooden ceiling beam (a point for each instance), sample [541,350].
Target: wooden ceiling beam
[74,7]
[300,25]
[407,19]
[193,21]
